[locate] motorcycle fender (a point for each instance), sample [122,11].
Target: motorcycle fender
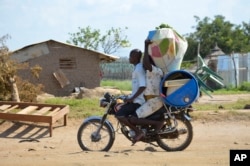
[100,118]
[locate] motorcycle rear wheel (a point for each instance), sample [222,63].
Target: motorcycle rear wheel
[89,140]
[178,140]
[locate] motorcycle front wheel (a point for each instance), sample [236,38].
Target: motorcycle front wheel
[91,139]
[179,139]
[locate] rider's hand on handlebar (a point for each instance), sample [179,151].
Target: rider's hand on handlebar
[128,100]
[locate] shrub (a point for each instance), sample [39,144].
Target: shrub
[245,86]
[27,91]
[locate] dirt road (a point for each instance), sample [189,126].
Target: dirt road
[26,145]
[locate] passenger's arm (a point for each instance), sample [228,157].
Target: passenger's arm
[146,61]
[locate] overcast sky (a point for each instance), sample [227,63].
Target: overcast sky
[33,21]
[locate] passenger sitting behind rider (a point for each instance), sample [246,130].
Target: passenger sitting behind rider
[151,94]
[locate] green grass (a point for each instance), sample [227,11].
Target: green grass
[118,84]
[81,108]
[239,104]
[227,92]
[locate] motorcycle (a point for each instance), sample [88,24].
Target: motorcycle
[98,134]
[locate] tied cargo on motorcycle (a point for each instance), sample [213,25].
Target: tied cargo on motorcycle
[178,90]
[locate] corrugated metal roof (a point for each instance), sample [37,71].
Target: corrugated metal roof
[102,56]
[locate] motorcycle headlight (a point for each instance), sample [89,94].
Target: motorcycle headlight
[103,102]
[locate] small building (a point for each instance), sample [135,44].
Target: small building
[64,66]
[213,57]
[215,52]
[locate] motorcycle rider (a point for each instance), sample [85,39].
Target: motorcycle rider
[151,95]
[136,99]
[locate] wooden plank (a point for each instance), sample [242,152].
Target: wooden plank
[61,78]
[11,108]
[26,104]
[27,110]
[4,106]
[42,111]
[25,117]
[171,83]
[53,112]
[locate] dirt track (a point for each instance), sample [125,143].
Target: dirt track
[24,145]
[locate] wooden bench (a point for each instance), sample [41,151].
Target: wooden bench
[34,112]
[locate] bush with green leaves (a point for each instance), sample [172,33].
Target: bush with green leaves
[245,86]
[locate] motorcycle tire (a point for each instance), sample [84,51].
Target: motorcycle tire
[89,140]
[178,140]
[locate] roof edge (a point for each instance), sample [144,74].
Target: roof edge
[100,53]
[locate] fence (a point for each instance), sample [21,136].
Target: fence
[234,69]
[120,70]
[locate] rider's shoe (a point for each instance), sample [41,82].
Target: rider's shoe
[138,137]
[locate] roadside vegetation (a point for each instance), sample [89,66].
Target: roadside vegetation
[82,108]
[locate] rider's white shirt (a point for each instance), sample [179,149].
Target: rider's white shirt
[138,80]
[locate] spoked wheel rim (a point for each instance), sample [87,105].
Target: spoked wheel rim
[179,139]
[89,138]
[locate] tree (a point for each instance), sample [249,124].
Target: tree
[7,72]
[229,37]
[13,87]
[89,38]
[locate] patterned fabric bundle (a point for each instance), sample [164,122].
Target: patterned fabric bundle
[168,49]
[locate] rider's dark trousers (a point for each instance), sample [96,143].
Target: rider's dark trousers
[127,109]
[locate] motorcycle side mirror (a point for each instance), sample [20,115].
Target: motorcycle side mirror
[107,96]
